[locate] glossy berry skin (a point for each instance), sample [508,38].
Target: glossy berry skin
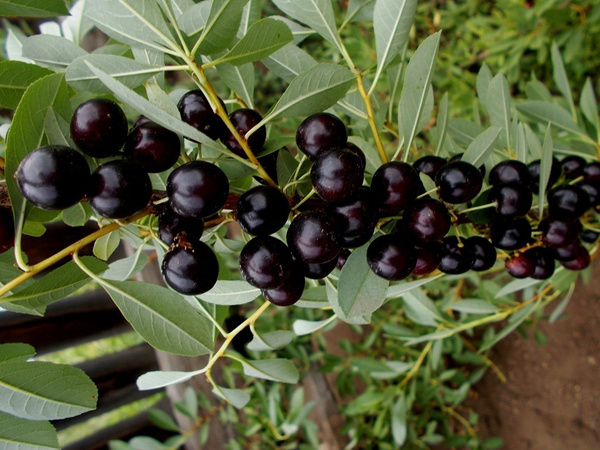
[512,199]
[358,152]
[99,128]
[140,120]
[591,172]
[534,168]
[568,252]
[53,177]
[262,210]
[317,271]
[589,236]
[244,119]
[171,224]
[428,219]
[581,259]
[191,269]
[567,202]
[195,110]
[429,256]
[265,262]
[395,185]
[459,182]
[320,132]
[544,262]
[153,147]
[313,237]
[119,189]
[558,233]
[510,234]
[458,157]
[197,189]
[337,174]
[593,191]
[572,166]
[356,216]
[485,253]
[509,171]
[342,258]
[520,265]
[429,165]
[7,229]
[391,257]
[456,258]
[289,292]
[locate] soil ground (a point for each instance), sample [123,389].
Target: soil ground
[551,400]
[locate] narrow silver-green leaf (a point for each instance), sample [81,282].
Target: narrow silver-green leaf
[533,143]
[262,39]
[289,61]
[236,397]
[473,306]
[442,122]
[15,77]
[312,91]
[304,327]
[482,146]
[561,79]
[392,20]
[299,33]
[221,26]
[234,292]
[106,245]
[498,106]
[194,19]
[77,215]
[22,434]
[420,309]
[544,113]
[16,351]
[45,391]
[317,14]
[270,341]
[589,105]
[516,286]
[517,319]
[397,290]
[521,144]
[240,79]
[125,268]
[54,52]
[360,11]
[360,291]
[545,168]
[398,420]
[484,78]
[282,370]
[417,82]
[162,378]
[32,8]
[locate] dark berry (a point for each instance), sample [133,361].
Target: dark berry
[140,120]
[534,168]
[289,292]
[457,257]
[581,259]
[262,210]
[567,202]
[544,262]
[265,262]
[558,233]
[593,191]
[520,265]
[317,271]
[358,215]
[99,127]
[509,171]
[244,120]
[195,110]
[313,237]
[428,219]
[591,172]
[337,174]
[567,252]
[429,165]
[7,229]
[459,182]
[484,250]
[358,240]
[191,269]
[53,177]
[429,255]
[153,147]
[510,234]
[170,224]
[589,236]
[459,156]
[572,166]
[391,257]
[395,185]
[358,152]
[512,199]
[119,189]
[320,132]
[197,189]
[342,258]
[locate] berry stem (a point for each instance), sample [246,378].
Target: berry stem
[301,202]
[371,116]
[18,239]
[477,208]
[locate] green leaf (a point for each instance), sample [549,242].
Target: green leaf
[27,131]
[498,105]
[515,320]
[45,391]
[236,397]
[16,351]
[516,286]
[560,308]
[55,286]
[15,77]
[482,146]
[24,434]
[221,26]
[270,341]
[230,293]
[106,245]
[303,327]
[128,71]
[125,268]
[420,309]
[312,91]
[139,23]
[281,370]
[392,20]
[77,215]
[544,113]
[474,306]
[162,317]
[521,152]
[399,289]
[194,19]
[561,79]
[545,169]
[398,418]
[484,78]
[442,122]
[360,291]
[289,62]
[262,39]
[162,378]
[417,83]
[588,105]
[32,8]
[54,52]
[299,33]
[360,11]
[163,420]
[317,14]
[240,79]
